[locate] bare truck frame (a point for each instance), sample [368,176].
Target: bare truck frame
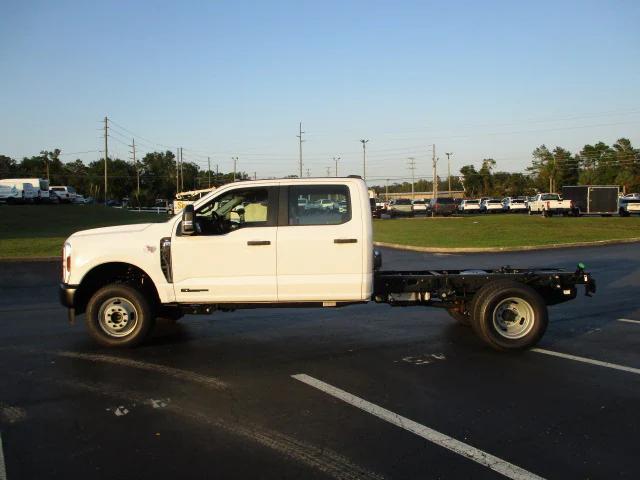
[507,307]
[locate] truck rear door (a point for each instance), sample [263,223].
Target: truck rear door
[320,248]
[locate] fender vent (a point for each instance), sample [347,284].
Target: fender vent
[165,259]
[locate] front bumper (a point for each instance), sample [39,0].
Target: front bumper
[66,294]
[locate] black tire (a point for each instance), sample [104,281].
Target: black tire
[126,304]
[492,327]
[529,211]
[624,213]
[460,317]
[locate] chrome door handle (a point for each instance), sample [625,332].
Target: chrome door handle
[255,243]
[345,240]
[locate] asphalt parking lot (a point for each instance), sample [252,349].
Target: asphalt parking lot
[368,391]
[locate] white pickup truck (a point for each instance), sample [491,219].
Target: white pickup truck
[251,244]
[549,204]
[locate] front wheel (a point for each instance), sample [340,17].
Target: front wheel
[509,315]
[119,315]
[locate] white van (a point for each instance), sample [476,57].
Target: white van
[9,194]
[24,187]
[36,189]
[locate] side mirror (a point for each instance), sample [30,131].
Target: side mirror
[188,227]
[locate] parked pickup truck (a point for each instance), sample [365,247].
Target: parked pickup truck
[251,244]
[549,204]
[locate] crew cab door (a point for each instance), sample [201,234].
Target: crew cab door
[320,243]
[232,258]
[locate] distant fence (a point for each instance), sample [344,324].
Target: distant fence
[157,210]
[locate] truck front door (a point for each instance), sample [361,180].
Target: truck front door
[232,256]
[320,244]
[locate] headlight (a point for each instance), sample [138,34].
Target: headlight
[66,262]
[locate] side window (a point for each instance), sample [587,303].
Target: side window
[319,205]
[238,208]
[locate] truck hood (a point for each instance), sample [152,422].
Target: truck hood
[137,227]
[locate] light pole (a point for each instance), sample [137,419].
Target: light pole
[448,154]
[235,165]
[364,142]
[336,159]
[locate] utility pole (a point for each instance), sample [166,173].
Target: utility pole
[336,159]
[448,154]
[364,158]
[177,172]
[235,164]
[209,170]
[135,164]
[300,146]
[106,155]
[386,190]
[255,176]
[46,163]
[435,176]
[328,171]
[412,167]
[217,173]
[181,171]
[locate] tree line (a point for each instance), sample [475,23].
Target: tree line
[156,172]
[550,170]
[597,164]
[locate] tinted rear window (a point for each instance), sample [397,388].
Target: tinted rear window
[445,200]
[403,201]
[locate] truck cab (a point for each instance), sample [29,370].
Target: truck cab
[253,242]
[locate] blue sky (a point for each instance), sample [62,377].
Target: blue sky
[479,79]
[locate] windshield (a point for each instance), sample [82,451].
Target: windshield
[472,202]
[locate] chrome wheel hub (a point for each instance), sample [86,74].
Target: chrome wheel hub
[118,317]
[513,318]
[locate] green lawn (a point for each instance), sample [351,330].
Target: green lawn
[40,230]
[503,230]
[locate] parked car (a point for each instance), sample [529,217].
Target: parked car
[634,196]
[469,206]
[549,204]
[401,207]
[419,207]
[628,206]
[491,205]
[64,193]
[514,205]
[444,206]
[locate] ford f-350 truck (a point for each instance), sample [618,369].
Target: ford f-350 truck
[259,244]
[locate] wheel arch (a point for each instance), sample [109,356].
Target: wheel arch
[113,272]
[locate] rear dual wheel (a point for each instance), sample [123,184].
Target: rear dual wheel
[508,315]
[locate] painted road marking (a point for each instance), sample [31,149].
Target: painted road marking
[591,361]
[628,320]
[3,470]
[485,459]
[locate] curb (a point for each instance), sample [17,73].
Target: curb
[597,243]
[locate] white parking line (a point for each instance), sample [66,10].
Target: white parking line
[3,470]
[628,320]
[591,361]
[485,459]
